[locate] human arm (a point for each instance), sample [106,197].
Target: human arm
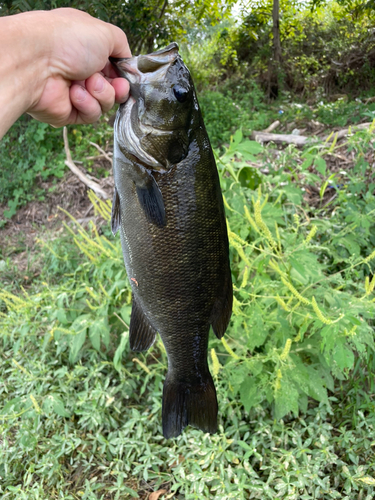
[54,65]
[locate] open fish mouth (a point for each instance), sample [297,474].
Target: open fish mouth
[139,71]
[147,68]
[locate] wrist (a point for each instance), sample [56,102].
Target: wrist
[24,41]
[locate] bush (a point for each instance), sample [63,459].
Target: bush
[293,333]
[33,152]
[29,151]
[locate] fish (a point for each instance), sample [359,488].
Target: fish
[168,208]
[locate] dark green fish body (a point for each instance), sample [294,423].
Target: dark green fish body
[169,209]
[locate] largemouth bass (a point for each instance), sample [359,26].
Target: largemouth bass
[168,207]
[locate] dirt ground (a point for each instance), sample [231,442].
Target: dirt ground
[39,218]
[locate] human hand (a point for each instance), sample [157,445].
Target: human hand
[54,66]
[81,83]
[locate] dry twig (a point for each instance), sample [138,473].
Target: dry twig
[82,177]
[106,155]
[272,127]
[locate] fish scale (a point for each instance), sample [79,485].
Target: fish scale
[173,232]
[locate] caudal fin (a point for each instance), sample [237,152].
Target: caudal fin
[189,403]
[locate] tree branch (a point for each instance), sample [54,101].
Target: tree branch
[301,140]
[81,176]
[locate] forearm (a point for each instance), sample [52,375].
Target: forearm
[24,43]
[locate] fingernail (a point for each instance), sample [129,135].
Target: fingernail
[81,94]
[99,85]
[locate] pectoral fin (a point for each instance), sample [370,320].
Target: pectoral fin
[151,200]
[116,213]
[141,332]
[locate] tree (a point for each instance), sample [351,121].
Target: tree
[147,23]
[274,77]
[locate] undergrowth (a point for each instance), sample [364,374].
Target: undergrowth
[33,152]
[80,413]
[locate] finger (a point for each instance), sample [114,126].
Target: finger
[101,90]
[121,88]
[120,43]
[109,71]
[88,107]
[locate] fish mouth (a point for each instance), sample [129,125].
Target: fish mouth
[146,68]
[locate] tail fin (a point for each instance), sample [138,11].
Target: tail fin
[189,403]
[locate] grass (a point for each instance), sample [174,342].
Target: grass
[80,415]
[96,434]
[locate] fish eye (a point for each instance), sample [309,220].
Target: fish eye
[180,93]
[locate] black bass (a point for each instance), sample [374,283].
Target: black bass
[169,210]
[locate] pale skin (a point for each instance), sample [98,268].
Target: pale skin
[54,65]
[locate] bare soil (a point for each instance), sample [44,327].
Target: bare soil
[38,219]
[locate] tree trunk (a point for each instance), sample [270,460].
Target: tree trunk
[274,82]
[276,32]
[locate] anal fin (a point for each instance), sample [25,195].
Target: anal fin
[223,309]
[116,213]
[141,332]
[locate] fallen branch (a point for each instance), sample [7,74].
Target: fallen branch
[298,140]
[301,140]
[106,155]
[272,127]
[81,176]
[97,157]
[344,132]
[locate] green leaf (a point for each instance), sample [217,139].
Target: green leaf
[237,137]
[249,178]
[257,328]
[301,270]
[125,313]
[343,356]
[76,344]
[286,399]
[61,316]
[94,335]
[58,406]
[250,394]
[320,165]
[120,350]
[131,492]
[99,331]
[293,194]
[82,322]
[250,147]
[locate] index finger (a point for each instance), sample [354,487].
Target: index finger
[120,43]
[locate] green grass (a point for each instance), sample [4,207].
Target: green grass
[80,414]
[96,434]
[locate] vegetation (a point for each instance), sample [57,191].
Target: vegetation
[73,388]
[80,414]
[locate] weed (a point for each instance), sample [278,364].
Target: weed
[80,413]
